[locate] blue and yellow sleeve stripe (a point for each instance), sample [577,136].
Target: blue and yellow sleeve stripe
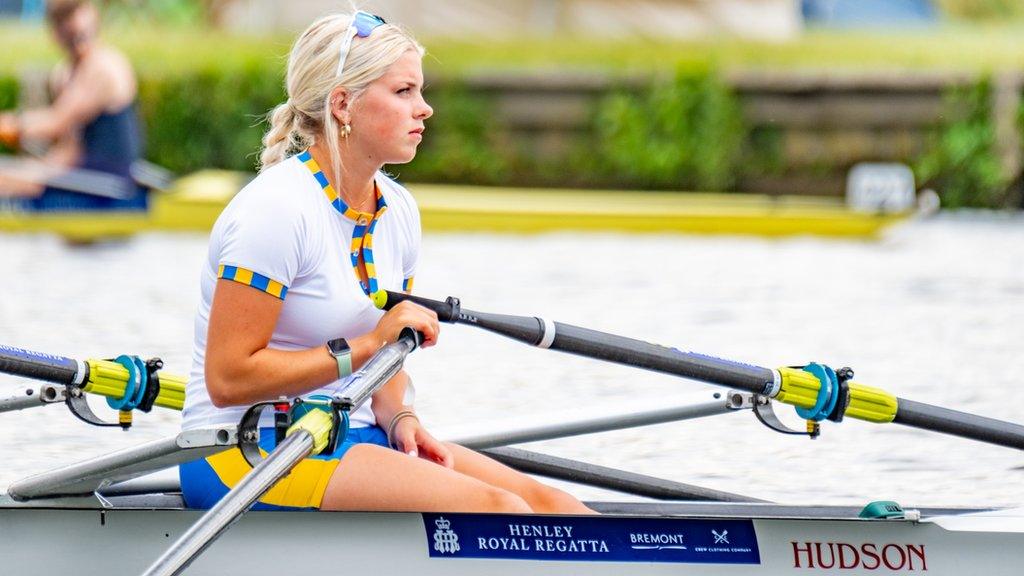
[250,278]
[407,284]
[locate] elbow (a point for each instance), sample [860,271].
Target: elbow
[221,393]
[220,399]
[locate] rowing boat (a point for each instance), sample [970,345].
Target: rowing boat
[195,201]
[102,511]
[66,537]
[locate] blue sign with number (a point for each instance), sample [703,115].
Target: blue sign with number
[590,539]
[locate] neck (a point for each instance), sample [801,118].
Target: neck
[356,186]
[77,58]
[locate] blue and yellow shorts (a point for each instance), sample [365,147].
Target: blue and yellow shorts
[204,482]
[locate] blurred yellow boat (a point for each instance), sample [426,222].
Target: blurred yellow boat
[195,201]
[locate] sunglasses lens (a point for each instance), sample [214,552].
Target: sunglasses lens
[365,23]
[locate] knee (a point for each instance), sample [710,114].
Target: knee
[546,499]
[499,500]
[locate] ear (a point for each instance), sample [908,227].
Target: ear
[341,100]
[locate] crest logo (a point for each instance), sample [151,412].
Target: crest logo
[722,538]
[446,541]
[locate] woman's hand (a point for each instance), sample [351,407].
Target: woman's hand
[408,315]
[410,437]
[9,130]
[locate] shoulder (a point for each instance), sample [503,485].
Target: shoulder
[280,195]
[112,61]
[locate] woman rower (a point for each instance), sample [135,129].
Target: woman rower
[286,305]
[92,125]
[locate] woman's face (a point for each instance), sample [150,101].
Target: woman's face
[387,118]
[77,34]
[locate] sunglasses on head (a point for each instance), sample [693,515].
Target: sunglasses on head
[363,23]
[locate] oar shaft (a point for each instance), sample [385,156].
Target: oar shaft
[226,512]
[373,375]
[103,377]
[936,419]
[40,366]
[791,386]
[602,346]
[639,354]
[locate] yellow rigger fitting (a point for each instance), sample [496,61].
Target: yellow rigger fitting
[871,404]
[108,378]
[318,423]
[172,391]
[798,388]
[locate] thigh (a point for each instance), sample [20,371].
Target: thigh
[540,497]
[491,471]
[371,477]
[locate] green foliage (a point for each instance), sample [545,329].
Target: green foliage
[985,10]
[8,99]
[8,92]
[460,143]
[167,12]
[210,118]
[961,162]
[686,133]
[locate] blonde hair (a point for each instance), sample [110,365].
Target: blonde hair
[312,66]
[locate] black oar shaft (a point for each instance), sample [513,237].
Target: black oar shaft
[38,366]
[639,354]
[636,353]
[602,346]
[608,478]
[936,419]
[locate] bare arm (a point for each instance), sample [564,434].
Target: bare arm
[83,97]
[65,152]
[241,369]
[390,399]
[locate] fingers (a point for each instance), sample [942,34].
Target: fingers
[436,451]
[9,133]
[409,315]
[405,440]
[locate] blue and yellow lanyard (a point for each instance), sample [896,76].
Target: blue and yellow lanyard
[362,234]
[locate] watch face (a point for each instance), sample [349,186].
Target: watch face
[338,346]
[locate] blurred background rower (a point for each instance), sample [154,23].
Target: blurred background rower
[79,151]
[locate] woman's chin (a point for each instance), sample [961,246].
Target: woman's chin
[402,158]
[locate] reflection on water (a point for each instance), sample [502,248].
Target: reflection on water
[933,312]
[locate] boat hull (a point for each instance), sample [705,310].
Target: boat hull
[196,202]
[60,542]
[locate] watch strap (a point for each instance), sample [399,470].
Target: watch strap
[342,355]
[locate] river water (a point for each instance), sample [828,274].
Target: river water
[933,311]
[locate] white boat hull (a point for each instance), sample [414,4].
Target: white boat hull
[63,542]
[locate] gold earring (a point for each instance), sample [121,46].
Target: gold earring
[346,129]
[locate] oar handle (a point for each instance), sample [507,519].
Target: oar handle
[447,311]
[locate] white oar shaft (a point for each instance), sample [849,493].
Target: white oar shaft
[226,512]
[574,427]
[47,394]
[92,182]
[380,368]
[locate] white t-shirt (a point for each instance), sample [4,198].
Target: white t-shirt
[282,235]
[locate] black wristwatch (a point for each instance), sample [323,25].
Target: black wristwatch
[342,353]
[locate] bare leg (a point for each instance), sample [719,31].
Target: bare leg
[542,498]
[372,477]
